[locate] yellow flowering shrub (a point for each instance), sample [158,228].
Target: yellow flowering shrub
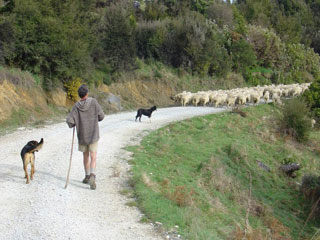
[72,87]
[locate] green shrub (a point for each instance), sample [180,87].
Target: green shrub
[312,96]
[294,120]
[192,42]
[302,59]
[157,74]
[258,76]
[149,38]
[240,22]
[242,55]
[117,30]
[268,47]
[51,38]
[188,41]
[6,40]
[310,187]
[221,13]
[154,11]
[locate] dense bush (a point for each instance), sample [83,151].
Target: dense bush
[312,96]
[240,24]
[290,19]
[188,41]
[310,188]
[294,120]
[302,59]
[191,42]
[221,13]
[156,11]
[259,76]
[6,40]
[96,39]
[268,47]
[47,41]
[242,55]
[149,37]
[117,36]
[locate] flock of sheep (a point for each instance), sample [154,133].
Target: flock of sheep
[241,96]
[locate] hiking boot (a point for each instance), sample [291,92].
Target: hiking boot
[86,179]
[92,181]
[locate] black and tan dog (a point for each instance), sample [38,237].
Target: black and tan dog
[27,155]
[146,112]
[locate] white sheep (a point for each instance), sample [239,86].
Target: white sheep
[276,99]
[266,96]
[185,99]
[200,97]
[296,91]
[255,98]
[242,95]
[204,98]
[231,101]
[241,99]
[219,100]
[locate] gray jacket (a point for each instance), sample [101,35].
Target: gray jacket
[85,116]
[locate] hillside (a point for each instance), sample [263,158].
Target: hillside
[106,41]
[218,177]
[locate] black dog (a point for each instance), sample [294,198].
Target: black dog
[146,112]
[27,155]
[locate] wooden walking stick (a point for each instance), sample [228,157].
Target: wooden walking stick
[70,159]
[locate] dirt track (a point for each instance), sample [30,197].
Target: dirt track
[43,209]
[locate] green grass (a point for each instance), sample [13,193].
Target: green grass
[22,117]
[195,174]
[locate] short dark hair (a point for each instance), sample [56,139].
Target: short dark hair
[83,90]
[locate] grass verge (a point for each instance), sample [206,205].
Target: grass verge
[32,118]
[196,174]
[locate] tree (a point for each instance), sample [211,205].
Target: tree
[117,30]
[242,55]
[221,13]
[51,38]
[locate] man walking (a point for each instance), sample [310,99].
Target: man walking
[85,116]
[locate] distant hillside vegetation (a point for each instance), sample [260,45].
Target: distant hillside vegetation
[100,41]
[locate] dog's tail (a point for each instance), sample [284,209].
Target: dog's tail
[33,146]
[39,145]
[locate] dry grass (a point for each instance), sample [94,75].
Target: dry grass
[179,194]
[182,196]
[17,77]
[254,234]
[214,178]
[149,183]
[239,111]
[276,231]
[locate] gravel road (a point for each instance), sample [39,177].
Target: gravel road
[43,209]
